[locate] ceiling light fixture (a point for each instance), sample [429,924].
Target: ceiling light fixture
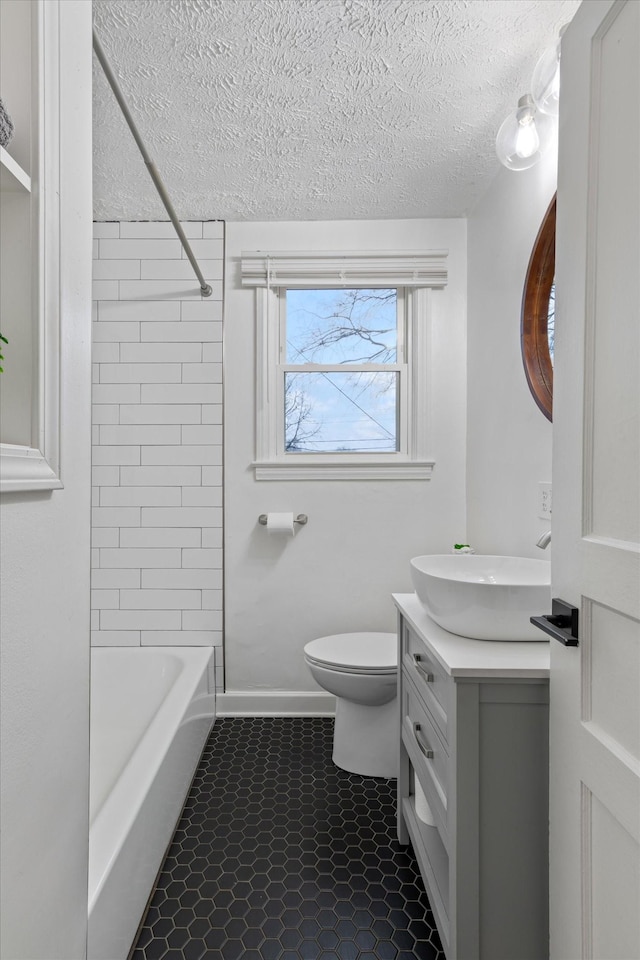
[545,83]
[524,136]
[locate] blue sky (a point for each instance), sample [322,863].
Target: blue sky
[344,410]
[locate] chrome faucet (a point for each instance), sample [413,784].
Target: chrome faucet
[544,540]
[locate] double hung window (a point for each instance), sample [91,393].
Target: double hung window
[342,371]
[342,379]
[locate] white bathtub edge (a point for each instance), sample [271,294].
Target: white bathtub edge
[119,889]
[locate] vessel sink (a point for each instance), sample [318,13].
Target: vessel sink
[483,597]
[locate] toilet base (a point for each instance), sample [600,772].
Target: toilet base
[366,739]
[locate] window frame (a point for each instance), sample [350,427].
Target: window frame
[410,461]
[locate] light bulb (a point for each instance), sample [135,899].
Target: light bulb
[524,136]
[527,139]
[545,83]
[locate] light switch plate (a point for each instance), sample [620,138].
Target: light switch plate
[544,501]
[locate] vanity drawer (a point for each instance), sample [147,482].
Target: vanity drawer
[427,752]
[433,861]
[429,678]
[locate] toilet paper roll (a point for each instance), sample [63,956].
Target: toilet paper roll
[423,810]
[280,524]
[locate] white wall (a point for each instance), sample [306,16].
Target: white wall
[157,437]
[45,599]
[338,572]
[509,439]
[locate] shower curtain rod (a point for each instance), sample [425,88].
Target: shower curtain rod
[205,289]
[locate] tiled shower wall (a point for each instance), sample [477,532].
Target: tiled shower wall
[157,438]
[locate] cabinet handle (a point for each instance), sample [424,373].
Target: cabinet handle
[417,659]
[424,746]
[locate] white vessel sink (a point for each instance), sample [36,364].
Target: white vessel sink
[483,597]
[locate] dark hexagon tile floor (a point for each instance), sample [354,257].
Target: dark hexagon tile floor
[280,855]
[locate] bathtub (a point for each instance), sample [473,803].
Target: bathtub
[151,714]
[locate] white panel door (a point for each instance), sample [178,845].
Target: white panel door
[595,687]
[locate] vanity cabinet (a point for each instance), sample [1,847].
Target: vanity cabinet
[474,736]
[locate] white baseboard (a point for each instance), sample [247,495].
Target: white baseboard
[275,703]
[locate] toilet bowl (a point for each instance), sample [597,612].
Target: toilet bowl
[360,670]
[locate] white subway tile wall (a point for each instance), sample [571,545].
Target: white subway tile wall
[157,455]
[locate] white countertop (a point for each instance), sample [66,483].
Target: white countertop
[463,657]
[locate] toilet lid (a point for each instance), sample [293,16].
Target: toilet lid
[372,652]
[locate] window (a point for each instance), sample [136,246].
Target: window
[342,379]
[343,372]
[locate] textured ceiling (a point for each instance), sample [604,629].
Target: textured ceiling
[311,109]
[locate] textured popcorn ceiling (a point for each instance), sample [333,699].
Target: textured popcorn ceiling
[311,109]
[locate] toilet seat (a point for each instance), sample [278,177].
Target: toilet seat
[358,671]
[374,654]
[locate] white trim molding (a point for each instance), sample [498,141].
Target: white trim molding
[335,270]
[364,470]
[26,468]
[275,703]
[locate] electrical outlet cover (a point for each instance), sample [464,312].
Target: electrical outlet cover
[544,501]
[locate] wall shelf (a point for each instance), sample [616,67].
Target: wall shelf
[29,247]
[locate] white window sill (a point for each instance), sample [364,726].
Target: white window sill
[298,467]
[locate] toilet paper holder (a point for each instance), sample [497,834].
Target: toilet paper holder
[302,518]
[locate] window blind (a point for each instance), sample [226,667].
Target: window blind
[336,270]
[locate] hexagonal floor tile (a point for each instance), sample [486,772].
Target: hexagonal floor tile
[280,855]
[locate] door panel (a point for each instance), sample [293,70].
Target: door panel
[612,388]
[611,675]
[595,688]
[610,850]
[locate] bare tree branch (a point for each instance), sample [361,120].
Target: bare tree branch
[297,411]
[357,322]
[345,325]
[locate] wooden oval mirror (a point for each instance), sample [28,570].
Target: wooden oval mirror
[538,314]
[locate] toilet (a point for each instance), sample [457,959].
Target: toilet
[361,670]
